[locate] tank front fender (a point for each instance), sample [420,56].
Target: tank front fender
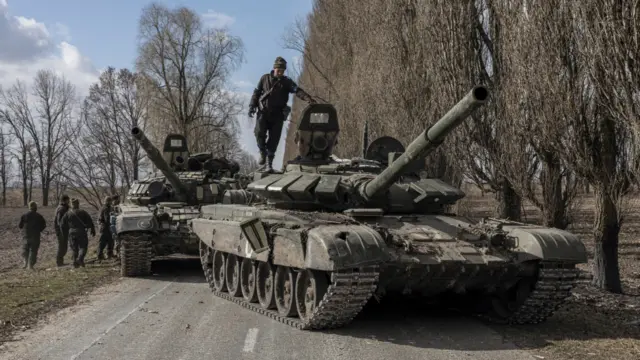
[335,247]
[135,223]
[549,244]
[226,236]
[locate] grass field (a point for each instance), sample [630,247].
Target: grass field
[593,325]
[26,296]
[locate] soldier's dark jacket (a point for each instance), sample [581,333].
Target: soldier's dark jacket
[60,211]
[32,224]
[279,96]
[76,220]
[105,217]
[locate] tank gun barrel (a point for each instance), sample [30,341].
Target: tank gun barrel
[428,141]
[156,158]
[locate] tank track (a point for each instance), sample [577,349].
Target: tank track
[348,292]
[135,255]
[551,290]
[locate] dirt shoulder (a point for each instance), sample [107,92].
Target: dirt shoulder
[25,295]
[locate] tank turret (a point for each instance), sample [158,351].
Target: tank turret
[386,180]
[426,142]
[175,147]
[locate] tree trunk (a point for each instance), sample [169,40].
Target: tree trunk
[553,206]
[606,270]
[45,192]
[509,202]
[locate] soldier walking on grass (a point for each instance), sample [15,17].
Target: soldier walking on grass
[270,99]
[63,244]
[106,239]
[75,223]
[32,224]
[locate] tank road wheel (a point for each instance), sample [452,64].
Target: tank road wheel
[232,271]
[284,291]
[311,286]
[135,255]
[206,259]
[507,303]
[264,285]
[219,260]
[248,280]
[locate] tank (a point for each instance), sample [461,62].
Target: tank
[152,220]
[318,241]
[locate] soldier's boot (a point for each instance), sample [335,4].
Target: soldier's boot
[263,158]
[100,256]
[270,164]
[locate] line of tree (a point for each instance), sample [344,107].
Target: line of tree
[53,138]
[565,102]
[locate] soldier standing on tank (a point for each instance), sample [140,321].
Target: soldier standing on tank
[106,240]
[32,224]
[75,223]
[63,244]
[270,99]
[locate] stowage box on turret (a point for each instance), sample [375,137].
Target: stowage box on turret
[152,221]
[317,241]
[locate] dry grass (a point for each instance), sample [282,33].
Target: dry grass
[593,324]
[25,296]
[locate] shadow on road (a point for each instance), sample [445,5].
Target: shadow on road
[418,324]
[187,268]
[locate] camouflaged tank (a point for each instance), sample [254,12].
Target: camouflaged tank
[312,245]
[152,221]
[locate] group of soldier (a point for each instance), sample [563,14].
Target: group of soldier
[71,224]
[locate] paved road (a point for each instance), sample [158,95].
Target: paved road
[176,317]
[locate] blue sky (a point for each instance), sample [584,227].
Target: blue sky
[105,32]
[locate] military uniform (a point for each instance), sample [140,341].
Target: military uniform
[112,222]
[75,223]
[270,98]
[63,244]
[106,239]
[31,224]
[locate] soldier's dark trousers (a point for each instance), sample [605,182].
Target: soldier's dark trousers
[272,123]
[79,241]
[106,241]
[30,251]
[63,245]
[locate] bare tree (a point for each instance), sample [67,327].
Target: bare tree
[114,106]
[5,163]
[185,65]
[596,137]
[88,169]
[48,125]
[16,112]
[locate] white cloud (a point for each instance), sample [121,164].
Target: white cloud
[243,84]
[216,19]
[27,45]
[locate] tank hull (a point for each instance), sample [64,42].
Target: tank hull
[143,234]
[336,263]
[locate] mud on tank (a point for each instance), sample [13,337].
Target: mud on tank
[312,245]
[152,221]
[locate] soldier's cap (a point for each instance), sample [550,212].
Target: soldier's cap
[64,197]
[107,199]
[33,205]
[75,201]
[280,63]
